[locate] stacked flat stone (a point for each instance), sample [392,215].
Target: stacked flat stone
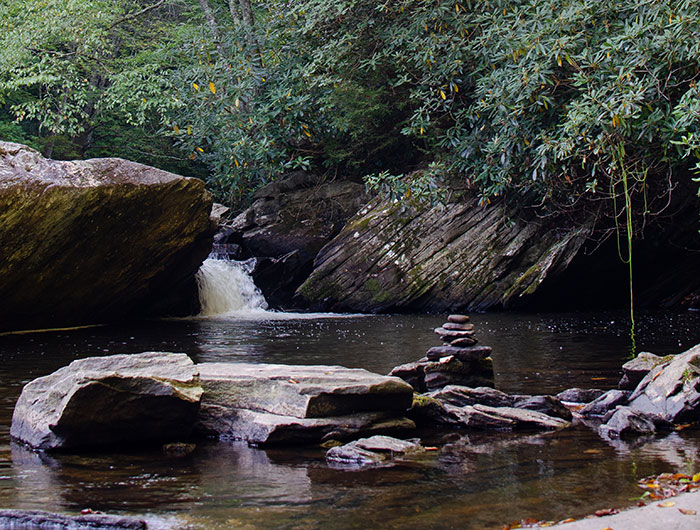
[461,361]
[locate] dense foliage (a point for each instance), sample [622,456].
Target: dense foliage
[551,102]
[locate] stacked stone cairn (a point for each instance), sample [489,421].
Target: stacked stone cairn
[460,361]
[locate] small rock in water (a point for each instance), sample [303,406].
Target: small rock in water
[178,449]
[376,450]
[458,319]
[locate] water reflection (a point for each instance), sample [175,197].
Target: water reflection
[474,481]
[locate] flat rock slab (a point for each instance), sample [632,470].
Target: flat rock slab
[37,520]
[482,417]
[146,397]
[302,391]
[265,428]
[467,353]
[377,450]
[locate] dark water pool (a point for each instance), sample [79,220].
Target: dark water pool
[473,481]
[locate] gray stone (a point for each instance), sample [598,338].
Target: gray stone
[463,342]
[482,417]
[412,373]
[37,520]
[265,428]
[458,327]
[603,404]
[470,353]
[90,241]
[376,450]
[671,390]
[460,396]
[458,319]
[549,405]
[579,395]
[302,391]
[461,255]
[625,422]
[451,334]
[635,370]
[147,397]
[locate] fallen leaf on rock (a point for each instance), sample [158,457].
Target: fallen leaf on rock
[641,503]
[592,451]
[607,511]
[598,378]
[687,512]
[431,448]
[696,477]
[666,504]
[565,521]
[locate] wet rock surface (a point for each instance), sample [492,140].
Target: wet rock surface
[635,370]
[37,520]
[579,395]
[625,422]
[606,402]
[374,451]
[141,398]
[92,241]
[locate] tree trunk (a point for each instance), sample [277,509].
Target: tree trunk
[234,9]
[213,26]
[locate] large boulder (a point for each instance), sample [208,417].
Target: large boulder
[290,221]
[94,240]
[459,256]
[671,389]
[139,398]
[273,403]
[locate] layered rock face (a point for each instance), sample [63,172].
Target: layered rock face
[93,240]
[460,256]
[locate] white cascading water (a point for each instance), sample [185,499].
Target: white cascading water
[226,287]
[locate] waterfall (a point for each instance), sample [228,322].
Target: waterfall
[226,287]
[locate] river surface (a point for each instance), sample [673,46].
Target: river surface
[473,481]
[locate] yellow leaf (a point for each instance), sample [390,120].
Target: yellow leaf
[236,162]
[307,133]
[250,120]
[196,86]
[200,149]
[421,130]
[443,95]
[559,61]
[696,477]
[667,504]
[189,130]
[263,79]
[212,88]
[456,87]
[176,128]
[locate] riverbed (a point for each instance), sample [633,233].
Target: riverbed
[473,481]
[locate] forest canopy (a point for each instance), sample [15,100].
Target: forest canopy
[554,103]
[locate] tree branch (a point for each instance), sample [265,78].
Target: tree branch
[137,14]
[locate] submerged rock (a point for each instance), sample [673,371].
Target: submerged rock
[433,259]
[90,241]
[482,417]
[377,450]
[37,520]
[671,389]
[146,398]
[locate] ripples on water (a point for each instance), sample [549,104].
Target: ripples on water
[475,481]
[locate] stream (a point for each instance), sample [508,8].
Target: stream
[473,481]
